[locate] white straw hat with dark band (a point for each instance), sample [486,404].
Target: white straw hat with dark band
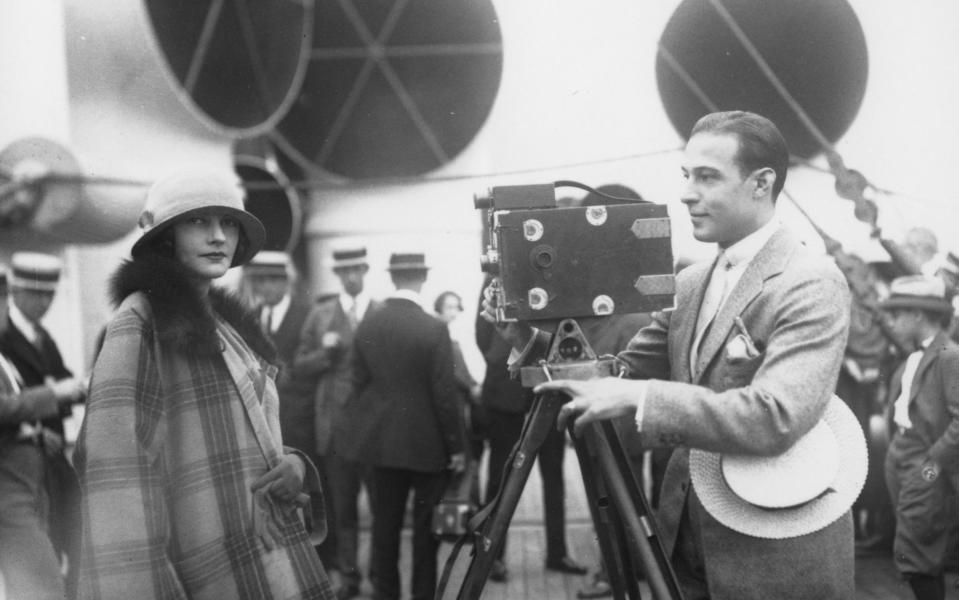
[803,490]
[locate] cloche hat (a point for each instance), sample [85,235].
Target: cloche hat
[183,194]
[800,491]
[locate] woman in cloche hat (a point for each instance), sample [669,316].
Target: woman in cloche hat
[187,489]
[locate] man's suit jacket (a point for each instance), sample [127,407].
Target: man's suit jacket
[29,404]
[296,393]
[795,306]
[404,412]
[500,391]
[35,365]
[328,369]
[933,405]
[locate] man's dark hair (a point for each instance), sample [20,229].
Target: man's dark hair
[760,142]
[407,277]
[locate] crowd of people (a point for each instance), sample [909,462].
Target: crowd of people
[228,437]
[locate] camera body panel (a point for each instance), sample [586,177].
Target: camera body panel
[555,263]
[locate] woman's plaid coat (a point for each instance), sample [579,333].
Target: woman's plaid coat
[168,453]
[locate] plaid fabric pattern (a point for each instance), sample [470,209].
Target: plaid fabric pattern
[167,455]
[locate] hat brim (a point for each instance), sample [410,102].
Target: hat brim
[916,302]
[725,506]
[349,263]
[253,232]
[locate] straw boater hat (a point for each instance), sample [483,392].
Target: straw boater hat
[268,263]
[918,291]
[34,271]
[181,195]
[407,262]
[800,491]
[349,257]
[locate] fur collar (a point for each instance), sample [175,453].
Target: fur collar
[181,318]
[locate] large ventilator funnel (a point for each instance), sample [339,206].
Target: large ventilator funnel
[271,197]
[238,65]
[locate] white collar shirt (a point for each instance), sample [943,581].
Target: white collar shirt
[408,295]
[740,254]
[362,301]
[275,313]
[901,408]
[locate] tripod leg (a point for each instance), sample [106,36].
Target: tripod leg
[632,507]
[606,523]
[490,539]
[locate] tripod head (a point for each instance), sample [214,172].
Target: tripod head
[569,357]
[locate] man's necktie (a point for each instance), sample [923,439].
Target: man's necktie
[712,301]
[268,320]
[351,316]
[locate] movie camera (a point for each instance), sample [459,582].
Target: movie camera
[555,263]
[558,262]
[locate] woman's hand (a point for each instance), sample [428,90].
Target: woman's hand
[285,480]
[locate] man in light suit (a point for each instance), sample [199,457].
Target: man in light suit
[922,464]
[689,389]
[323,357]
[408,425]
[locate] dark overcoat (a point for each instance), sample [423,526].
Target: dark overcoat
[404,407]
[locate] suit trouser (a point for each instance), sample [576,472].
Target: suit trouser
[391,487]
[923,510]
[504,432]
[346,479]
[29,564]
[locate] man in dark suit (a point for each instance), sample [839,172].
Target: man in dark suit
[922,464]
[323,357]
[36,357]
[506,403]
[28,561]
[745,364]
[409,429]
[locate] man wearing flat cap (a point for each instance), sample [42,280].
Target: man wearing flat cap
[322,359]
[922,464]
[33,352]
[408,424]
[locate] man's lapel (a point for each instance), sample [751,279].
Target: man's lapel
[24,349]
[928,357]
[687,326]
[769,261]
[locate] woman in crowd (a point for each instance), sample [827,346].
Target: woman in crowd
[448,305]
[187,490]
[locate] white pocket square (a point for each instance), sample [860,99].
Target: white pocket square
[739,349]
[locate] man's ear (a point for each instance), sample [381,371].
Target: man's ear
[765,178]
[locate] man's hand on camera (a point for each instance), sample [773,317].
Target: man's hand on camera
[595,400]
[517,333]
